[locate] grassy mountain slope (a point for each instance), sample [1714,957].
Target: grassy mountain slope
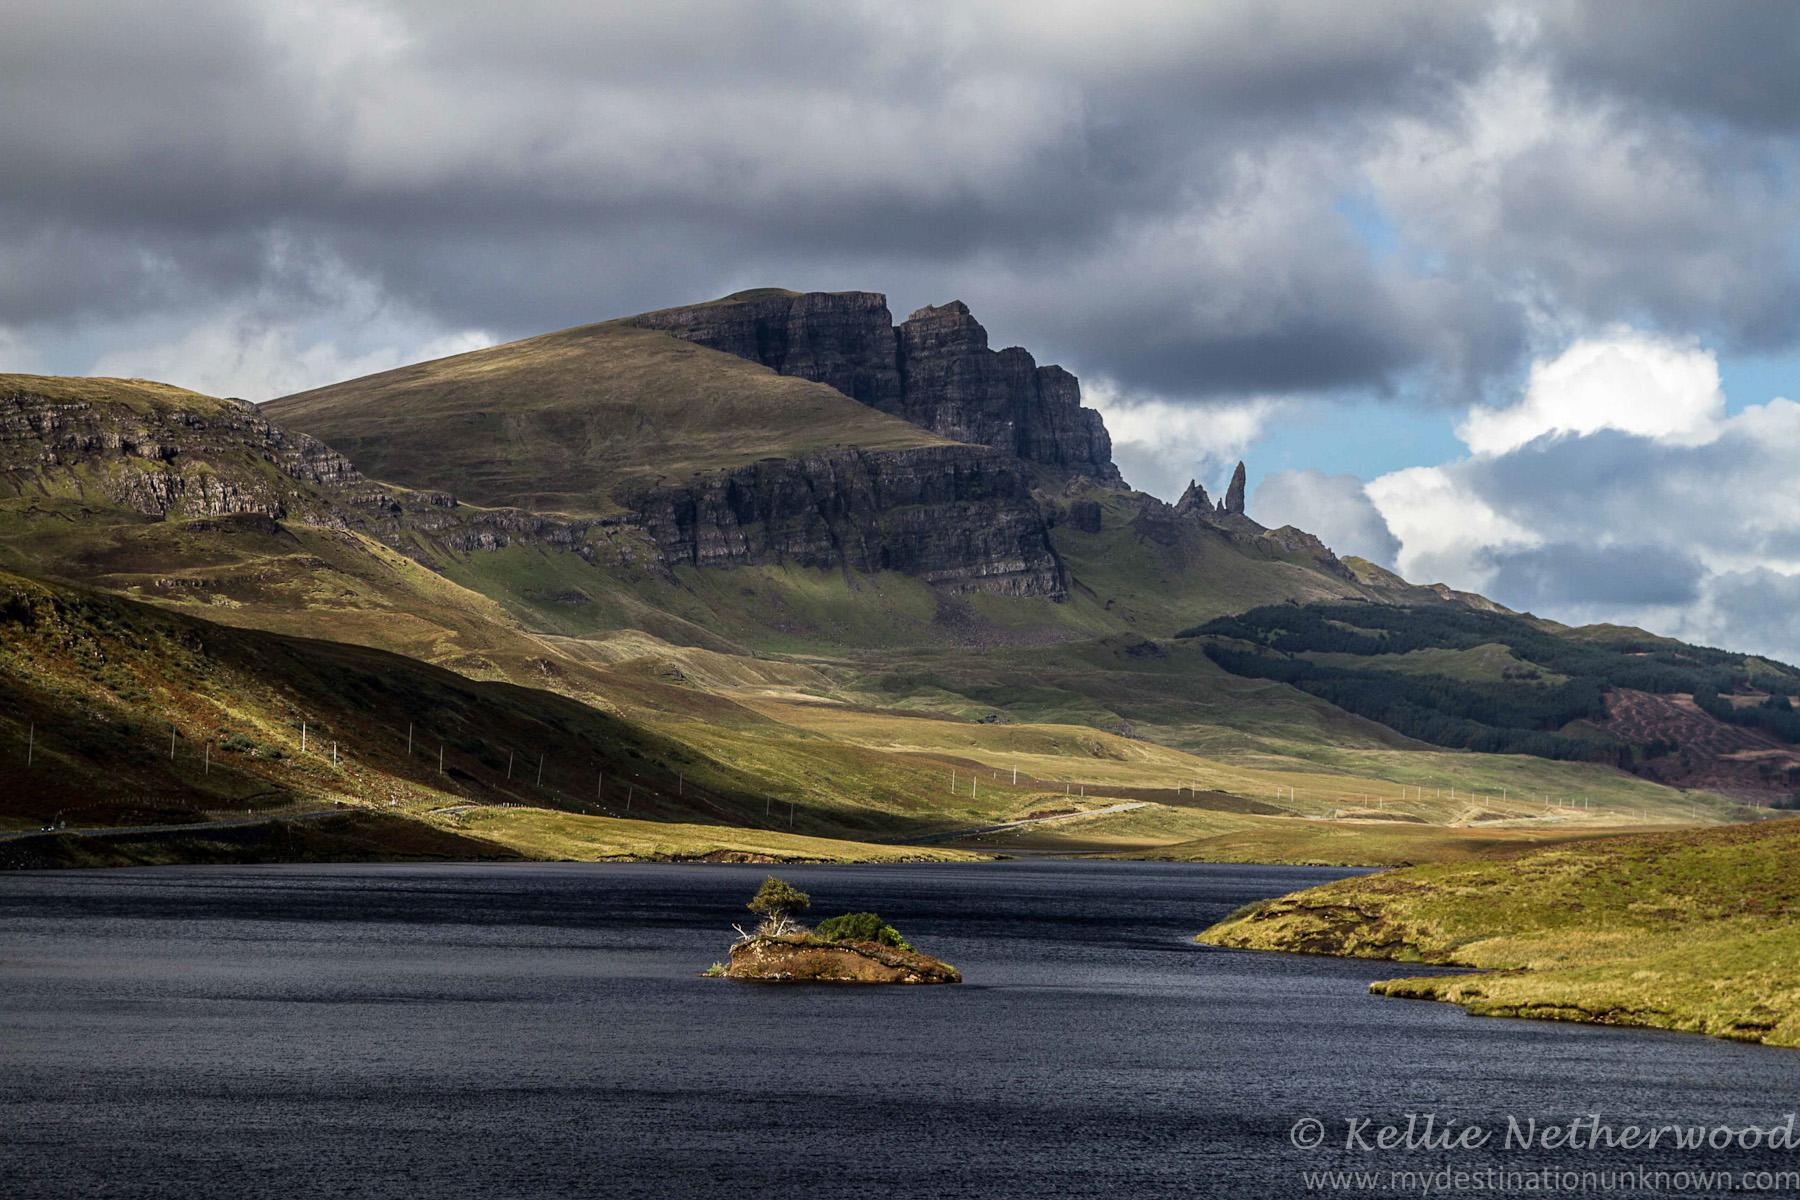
[851,699]
[555,423]
[118,713]
[1697,930]
[1496,681]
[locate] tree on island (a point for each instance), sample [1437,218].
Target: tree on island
[776,901]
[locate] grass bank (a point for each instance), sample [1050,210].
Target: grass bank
[1697,930]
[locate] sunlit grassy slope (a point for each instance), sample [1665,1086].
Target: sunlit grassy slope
[871,708]
[1695,930]
[554,423]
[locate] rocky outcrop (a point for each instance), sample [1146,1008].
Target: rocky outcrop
[802,958]
[201,462]
[1234,494]
[956,516]
[1085,515]
[843,339]
[1194,501]
[935,370]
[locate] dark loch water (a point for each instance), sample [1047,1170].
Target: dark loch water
[540,1031]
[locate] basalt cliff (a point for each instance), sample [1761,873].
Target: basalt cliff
[935,369]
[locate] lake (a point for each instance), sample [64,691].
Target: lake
[542,1031]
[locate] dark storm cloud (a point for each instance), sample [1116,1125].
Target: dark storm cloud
[1733,60]
[1567,573]
[1148,191]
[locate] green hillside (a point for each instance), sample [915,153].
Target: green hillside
[1499,682]
[884,714]
[1697,930]
[555,423]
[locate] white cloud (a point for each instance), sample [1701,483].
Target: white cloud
[236,356]
[1335,507]
[1160,444]
[1618,489]
[1627,381]
[1446,529]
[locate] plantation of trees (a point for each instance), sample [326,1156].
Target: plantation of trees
[1512,716]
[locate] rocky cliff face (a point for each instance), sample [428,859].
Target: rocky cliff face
[935,370]
[955,516]
[173,462]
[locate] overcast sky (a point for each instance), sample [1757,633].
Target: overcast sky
[1507,296]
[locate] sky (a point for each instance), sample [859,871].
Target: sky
[1500,295]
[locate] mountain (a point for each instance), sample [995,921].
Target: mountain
[934,370]
[753,431]
[881,575]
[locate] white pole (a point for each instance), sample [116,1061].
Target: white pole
[334,754]
[303,737]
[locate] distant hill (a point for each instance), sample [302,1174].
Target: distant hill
[1500,682]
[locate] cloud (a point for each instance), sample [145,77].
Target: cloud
[1149,194]
[1161,445]
[1335,507]
[1627,381]
[257,363]
[1617,489]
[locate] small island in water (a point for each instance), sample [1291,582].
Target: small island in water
[852,948]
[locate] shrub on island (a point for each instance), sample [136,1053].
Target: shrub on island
[860,927]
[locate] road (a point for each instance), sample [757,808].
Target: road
[187,827]
[1026,822]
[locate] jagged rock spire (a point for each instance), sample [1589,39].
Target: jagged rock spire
[1193,500]
[1234,495]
